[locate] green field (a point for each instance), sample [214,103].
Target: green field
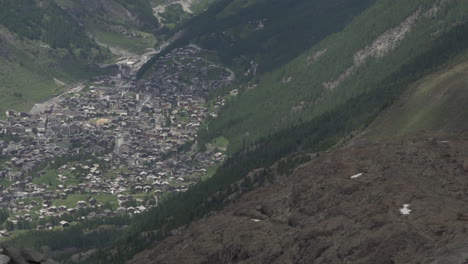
[5,183]
[133,45]
[21,87]
[210,172]
[50,179]
[219,144]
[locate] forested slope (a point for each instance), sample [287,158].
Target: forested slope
[342,67]
[260,36]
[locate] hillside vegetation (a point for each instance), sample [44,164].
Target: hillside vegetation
[342,67]
[259,36]
[433,103]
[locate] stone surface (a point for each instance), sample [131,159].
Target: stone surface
[320,215]
[4,259]
[50,261]
[32,255]
[11,255]
[15,255]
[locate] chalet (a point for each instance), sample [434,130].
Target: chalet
[81,204]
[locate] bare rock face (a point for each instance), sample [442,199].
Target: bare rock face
[465,165]
[15,255]
[33,256]
[11,255]
[4,259]
[400,201]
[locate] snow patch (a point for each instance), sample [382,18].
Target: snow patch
[405,210]
[356,176]
[255,220]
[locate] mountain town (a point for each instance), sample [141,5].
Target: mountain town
[112,147]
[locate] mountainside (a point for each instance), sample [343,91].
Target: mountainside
[344,66]
[48,45]
[299,96]
[344,206]
[259,36]
[313,104]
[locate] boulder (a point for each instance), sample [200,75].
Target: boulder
[33,256]
[11,255]
[15,255]
[50,261]
[4,259]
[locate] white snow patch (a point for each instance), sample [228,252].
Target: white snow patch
[356,176]
[405,210]
[255,220]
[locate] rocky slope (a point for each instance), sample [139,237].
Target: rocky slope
[403,200]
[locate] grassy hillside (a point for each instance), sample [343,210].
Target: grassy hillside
[47,45]
[31,71]
[44,21]
[434,103]
[299,91]
[121,25]
[20,87]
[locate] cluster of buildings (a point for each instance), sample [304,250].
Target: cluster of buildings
[116,140]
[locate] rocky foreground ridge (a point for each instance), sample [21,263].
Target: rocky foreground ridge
[10,255]
[398,201]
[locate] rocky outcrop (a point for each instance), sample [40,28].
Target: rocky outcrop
[386,42]
[398,201]
[11,255]
[316,56]
[379,47]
